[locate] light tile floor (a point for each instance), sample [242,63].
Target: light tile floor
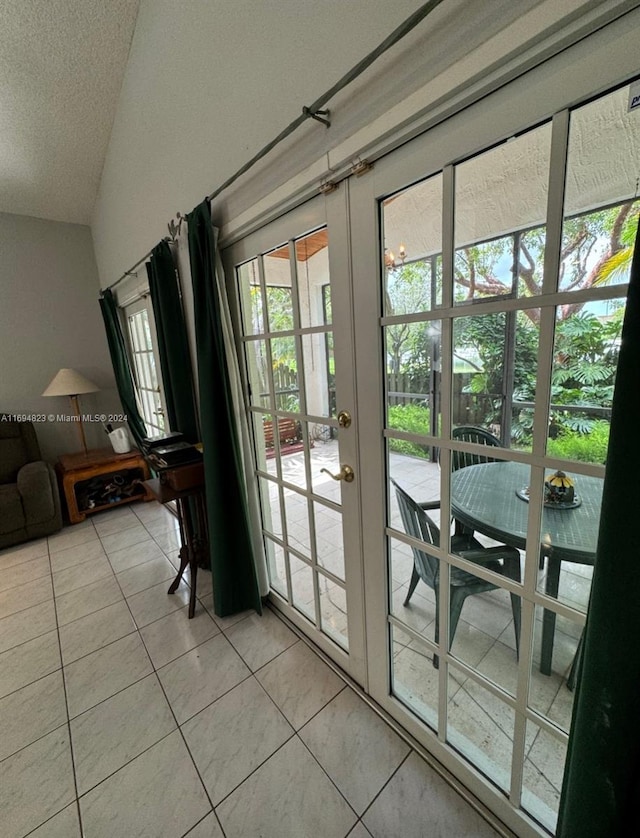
[122,718]
[485,638]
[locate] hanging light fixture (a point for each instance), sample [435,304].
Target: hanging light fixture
[390,260]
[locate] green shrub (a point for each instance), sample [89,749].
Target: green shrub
[414,419]
[587,448]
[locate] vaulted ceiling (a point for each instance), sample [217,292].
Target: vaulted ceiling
[61,68]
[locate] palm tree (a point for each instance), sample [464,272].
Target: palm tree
[618,266]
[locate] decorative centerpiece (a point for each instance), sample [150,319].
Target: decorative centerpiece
[558,488]
[559,492]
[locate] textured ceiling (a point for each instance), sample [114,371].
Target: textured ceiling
[61,69]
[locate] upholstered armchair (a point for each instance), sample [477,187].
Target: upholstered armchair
[29,498]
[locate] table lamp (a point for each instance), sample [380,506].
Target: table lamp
[70,383]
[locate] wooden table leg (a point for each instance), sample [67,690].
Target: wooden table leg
[187,552]
[191,538]
[184,561]
[194,549]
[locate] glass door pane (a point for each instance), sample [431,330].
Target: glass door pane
[145,368]
[297,376]
[496,332]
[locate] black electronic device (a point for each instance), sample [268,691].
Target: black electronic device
[170,456]
[150,443]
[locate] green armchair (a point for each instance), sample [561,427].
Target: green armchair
[29,497]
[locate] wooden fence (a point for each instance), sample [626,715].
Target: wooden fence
[467,408]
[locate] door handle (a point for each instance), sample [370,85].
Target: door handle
[344,419]
[346,473]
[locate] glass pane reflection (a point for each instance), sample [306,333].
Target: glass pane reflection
[413,678]
[481,727]
[333,606]
[542,775]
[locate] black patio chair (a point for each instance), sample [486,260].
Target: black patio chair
[501,559]
[471,433]
[461,459]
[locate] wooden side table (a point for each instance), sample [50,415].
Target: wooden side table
[192,518]
[101,479]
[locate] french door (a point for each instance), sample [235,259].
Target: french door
[491,257]
[475,276]
[294,291]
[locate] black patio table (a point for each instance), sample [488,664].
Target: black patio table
[485,498]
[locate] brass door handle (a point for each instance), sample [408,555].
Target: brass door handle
[346,473]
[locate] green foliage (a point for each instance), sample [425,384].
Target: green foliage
[618,266]
[408,290]
[584,447]
[485,336]
[279,308]
[483,268]
[412,418]
[585,359]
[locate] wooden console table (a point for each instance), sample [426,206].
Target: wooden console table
[100,480]
[190,502]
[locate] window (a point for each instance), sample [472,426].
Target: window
[146,368]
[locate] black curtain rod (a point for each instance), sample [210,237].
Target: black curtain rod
[410,23]
[132,269]
[314,111]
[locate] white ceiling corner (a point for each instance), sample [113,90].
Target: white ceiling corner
[61,68]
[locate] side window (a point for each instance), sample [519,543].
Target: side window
[145,364]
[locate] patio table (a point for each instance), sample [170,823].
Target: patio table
[484,497]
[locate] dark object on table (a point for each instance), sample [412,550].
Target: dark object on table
[29,497]
[181,478]
[502,559]
[148,443]
[558,488]
[169,456]
[483,498]
[523,494]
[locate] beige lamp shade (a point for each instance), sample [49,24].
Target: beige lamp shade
[70,383]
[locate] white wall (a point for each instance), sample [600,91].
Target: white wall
[210,83]
[49,319]
[505,189]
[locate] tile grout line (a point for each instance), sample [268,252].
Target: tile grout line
[153,672]
[66,703]
[391,776]
[426,757]
[171,710]
[295,734]
[222,631]
[61,668]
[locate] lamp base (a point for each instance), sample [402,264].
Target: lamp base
[78,421]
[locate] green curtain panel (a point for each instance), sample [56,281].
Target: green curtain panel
[600,794]
[173,345]
[235,584]
[121,367]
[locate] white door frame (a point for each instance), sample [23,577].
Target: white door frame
[589,68]
[598,62]
[329,211]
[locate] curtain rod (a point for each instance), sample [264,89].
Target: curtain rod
[314,111]
[132,269]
